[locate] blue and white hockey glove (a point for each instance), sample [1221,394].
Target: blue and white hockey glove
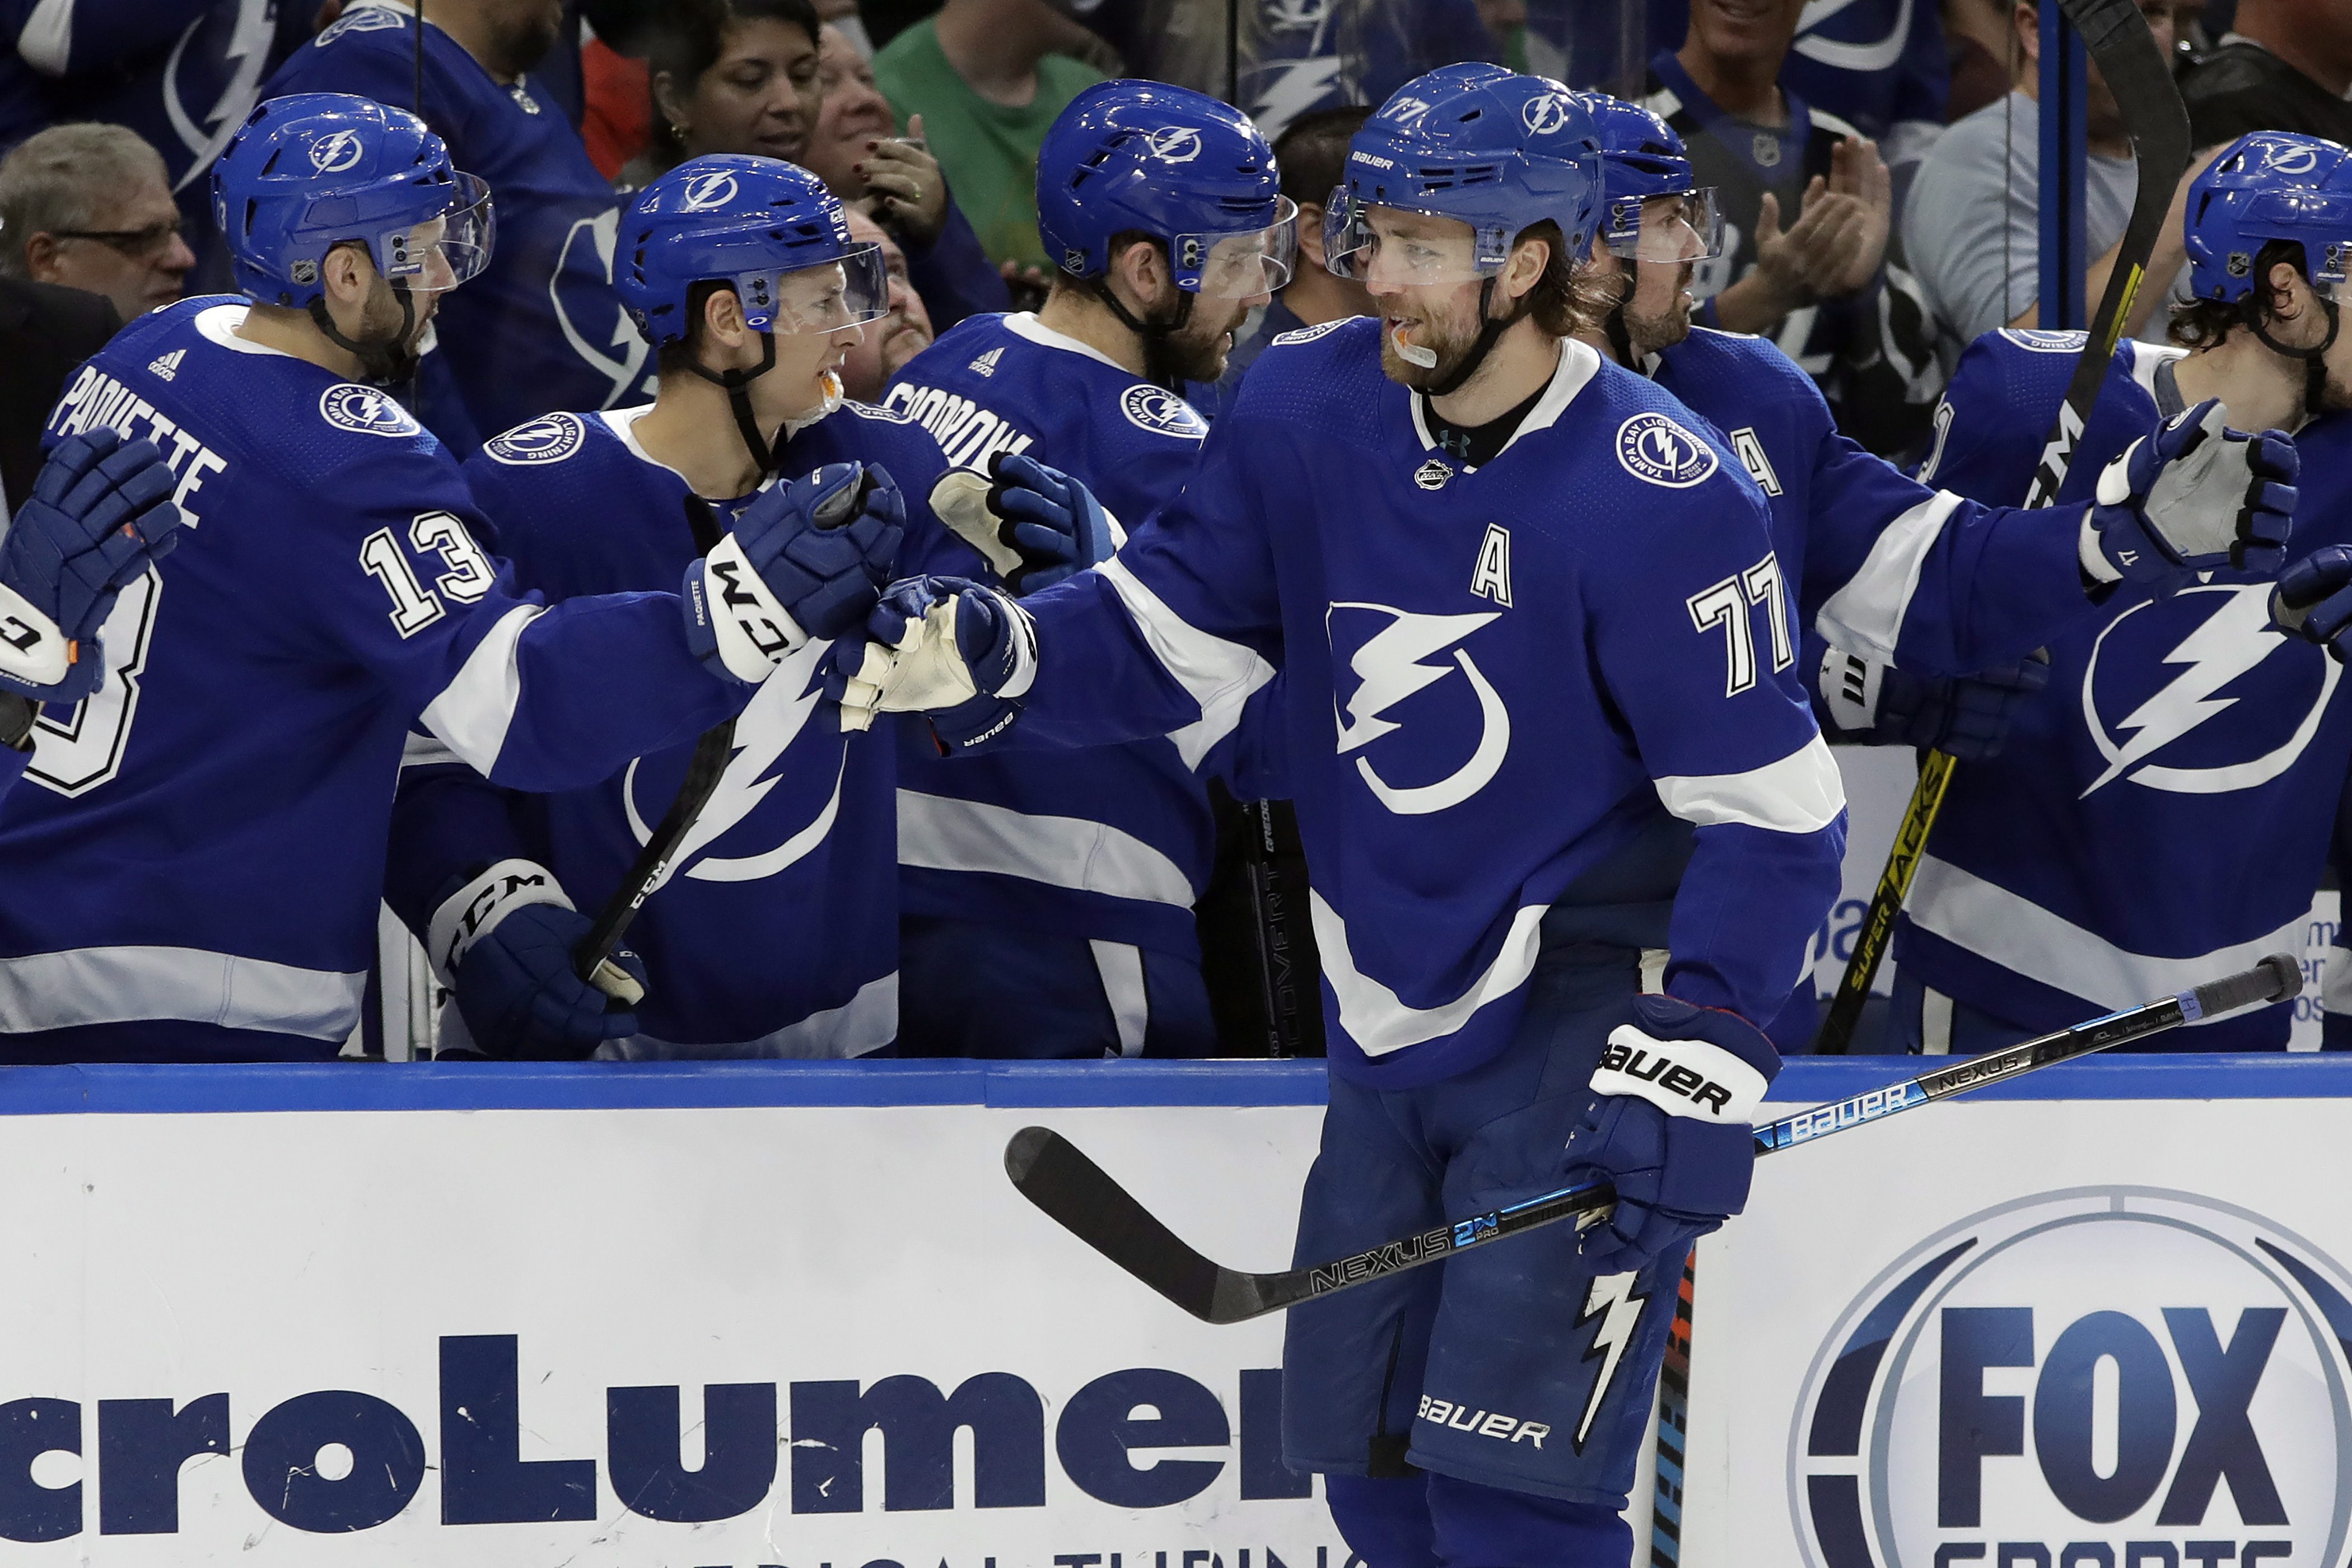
[99,513]
[1668,1128]
[2194,496]
[2312,600]
[503,943]
[1036,526]
[1966,716]
[958,651]
[804,560]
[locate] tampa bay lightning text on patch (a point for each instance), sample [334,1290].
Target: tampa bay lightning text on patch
[1162,412]
[1653,448]
[1308,335]
[372,19]
[549,439]
[366,410]
[2046,342]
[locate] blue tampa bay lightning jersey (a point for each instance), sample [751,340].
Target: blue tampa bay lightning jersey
[1504,689]
[1881,565]
[541,328]
[775,931]
[1114,844]
[201,841]
[2161,813]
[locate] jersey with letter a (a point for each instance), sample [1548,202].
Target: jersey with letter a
[1503,688]
[2159,816]
[775,931]
[541,328]
[195,855]
[1112,844]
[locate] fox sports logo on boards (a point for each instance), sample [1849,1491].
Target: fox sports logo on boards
[2106,1377]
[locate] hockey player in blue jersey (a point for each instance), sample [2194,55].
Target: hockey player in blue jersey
[776,930]
[99,516]
[1049,899]
[1541,712]
[195,855]
[2163,811]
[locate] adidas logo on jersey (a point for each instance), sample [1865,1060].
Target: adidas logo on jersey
[167,368]
[986,364]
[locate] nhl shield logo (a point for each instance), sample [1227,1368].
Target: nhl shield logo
[337,151]
[1651,447]
[1432,475]
[2239,264]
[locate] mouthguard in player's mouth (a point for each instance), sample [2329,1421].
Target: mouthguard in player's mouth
[1409,351]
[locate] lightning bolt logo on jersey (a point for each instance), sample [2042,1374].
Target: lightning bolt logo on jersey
[2114,843]
[1407,654]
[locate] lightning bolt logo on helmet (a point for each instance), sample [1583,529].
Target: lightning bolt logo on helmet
[337,151]
[1175,144]
[706,191]
[1544,115]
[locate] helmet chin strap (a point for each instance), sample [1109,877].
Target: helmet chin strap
[1153,331]
[1489,335]
[1621,339]
[386,361]
[737,385]
[2314,366]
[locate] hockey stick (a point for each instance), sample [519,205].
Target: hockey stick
[591,960]
[1051,1172]
[2117,36]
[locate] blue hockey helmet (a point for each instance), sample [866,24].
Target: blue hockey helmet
[1490,148]
[768,228]
[1192,173]
[314,170]
[2267,185]
[1642,158]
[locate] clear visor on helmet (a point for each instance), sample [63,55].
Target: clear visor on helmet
[821,299]
[1248,265]
[1673,228]
[436,256]
[1381,245]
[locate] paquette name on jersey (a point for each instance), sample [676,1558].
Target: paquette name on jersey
[969,435]
[1652,447]
[97,401]
[548,439]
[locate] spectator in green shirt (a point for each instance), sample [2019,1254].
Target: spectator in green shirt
[983,76]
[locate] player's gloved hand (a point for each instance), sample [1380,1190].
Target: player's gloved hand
[2192,498]
[948,646]
[1036,526]
[1966,716]
[1668,1126]
[521,999]
[99,513]
[804,560]
[2312,600]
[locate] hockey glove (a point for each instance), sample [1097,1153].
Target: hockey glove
[947,647]
[1966,716]
[1036,526]
[1667,1127]
[99,514]
[804,560]
[2314,600]
[2192,498]
[519,998]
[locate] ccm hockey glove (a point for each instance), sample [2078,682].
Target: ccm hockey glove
[948,646]
[503,943]
[99,514]
[2194,496]
[804,560]
[1668,1128]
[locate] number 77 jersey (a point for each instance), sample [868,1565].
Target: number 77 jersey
[195,854]
[1550,701]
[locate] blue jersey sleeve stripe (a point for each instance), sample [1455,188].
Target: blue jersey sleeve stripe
[2019,935]
[1218,675]
[1802,793]
[88,986]
[1865,615]
[1379,1021]
[474,712]
[944,834]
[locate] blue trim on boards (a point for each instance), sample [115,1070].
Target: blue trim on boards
[108,1090]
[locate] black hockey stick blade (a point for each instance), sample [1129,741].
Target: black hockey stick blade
[1079,1196]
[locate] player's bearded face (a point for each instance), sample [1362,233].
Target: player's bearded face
[1434,319]
[1658,313]
[1197,349]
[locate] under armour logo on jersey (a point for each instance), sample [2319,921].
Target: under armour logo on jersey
[1398,660]
[337,151]
[705,191]
[1544,115]
[1175,144]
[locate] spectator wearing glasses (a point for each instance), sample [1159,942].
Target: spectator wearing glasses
[858,153]
[89,207]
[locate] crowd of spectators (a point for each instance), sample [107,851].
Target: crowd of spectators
[1876,171]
